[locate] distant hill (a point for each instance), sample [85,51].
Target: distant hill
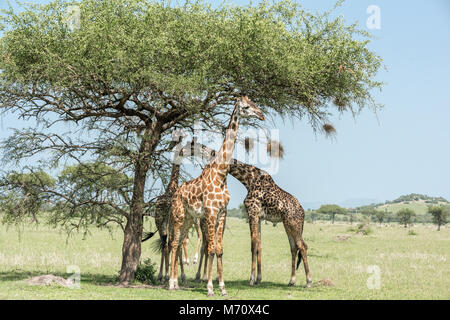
[418,197]
[419,203]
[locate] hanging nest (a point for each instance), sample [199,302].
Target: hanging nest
[275,149]
[249,144]
[329,129]
[341,103]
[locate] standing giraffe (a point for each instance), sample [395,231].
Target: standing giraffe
[265,201]
[161,213]
[207,197]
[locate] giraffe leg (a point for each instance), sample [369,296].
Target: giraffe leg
[202,254]
[186,257]
[211,216]
[173,281]
[203,250]
[166,254]
[183,276]
[199,241]
[219,250]
[303,248]
[259,255]
[205,267]
[161,267]
[253,223]
[177,217]
[294,256]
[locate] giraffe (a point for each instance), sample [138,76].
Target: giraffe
[265,200]
[161,212]
[207,197]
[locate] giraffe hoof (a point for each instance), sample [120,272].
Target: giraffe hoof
[251,283]
[183,280]
[210,294]
[308,283]
[290,284]
[224,293]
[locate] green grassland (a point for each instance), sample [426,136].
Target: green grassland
[411,266]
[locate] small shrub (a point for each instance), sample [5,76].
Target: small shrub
[412,233]
[146,272]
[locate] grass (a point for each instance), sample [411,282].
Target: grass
[412,267]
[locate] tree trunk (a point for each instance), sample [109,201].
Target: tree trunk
[332,218]
[131,249]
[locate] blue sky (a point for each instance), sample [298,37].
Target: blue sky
[405,148]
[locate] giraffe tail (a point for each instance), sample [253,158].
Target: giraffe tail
[299,260]
[299,253]
[160,244]
[147,236]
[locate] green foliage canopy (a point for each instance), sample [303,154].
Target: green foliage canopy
[140,57]
[440,214]
[405,216]
[332,210]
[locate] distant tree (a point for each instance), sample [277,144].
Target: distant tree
[380,216]
[351,218]
[368,211]
[405,216]
[332,210]
[313,215]
[440,214]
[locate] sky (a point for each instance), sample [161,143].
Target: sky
[404,148]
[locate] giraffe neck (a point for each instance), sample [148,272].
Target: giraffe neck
[225,153]
[175,174]
[173,183]
[243,172]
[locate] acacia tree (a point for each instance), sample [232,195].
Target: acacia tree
[332,210]
[380,216]
[113,88]
[405,216]
[439,214]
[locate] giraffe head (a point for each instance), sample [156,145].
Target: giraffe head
[248,108]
